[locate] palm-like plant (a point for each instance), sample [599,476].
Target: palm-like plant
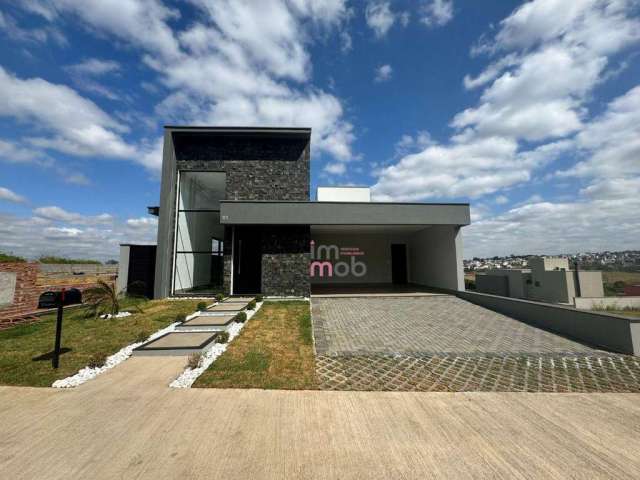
[101,299]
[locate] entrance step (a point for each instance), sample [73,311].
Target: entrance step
[227,307]
[177,343]
[238,299]
[213,323]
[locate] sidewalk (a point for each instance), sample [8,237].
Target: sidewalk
[129,424]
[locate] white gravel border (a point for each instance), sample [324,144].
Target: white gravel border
[108,316]
[189,375]
[88,373]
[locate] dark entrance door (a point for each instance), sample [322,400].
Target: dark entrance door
[399,263]
[247,260]
[142,270]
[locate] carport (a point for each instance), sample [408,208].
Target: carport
[384,259]
[363,246]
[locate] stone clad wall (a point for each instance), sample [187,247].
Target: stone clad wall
[256,169]
[260,168]
[285,260]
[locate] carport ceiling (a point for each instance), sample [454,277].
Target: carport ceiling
[360,229]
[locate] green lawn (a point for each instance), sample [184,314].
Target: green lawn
[627,312]
[85,337]
[273,351]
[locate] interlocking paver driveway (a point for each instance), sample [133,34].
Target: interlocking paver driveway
[443,343]
[435,324]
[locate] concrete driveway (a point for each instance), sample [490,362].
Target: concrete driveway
[128,424]
[444,343]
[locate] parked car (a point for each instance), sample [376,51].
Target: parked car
[51,299]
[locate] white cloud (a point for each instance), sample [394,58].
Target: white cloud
[383,73]
[346,42]
[141,21]
[379,17]
[58,214]
[612,188]
[30,35]
[556,53]
[239,63]
[436,13]
[143,222]
[404,18]
[611,141]
[501,199]
[11,196]
[10,152]
[94,66]
[545,227]
[464,170]
[553,57]
[335,168]
[36,236]
[76,178]
[79,126]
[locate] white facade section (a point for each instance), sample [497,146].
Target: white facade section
[435,257]
[344,194]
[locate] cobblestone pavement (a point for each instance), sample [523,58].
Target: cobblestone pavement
[447,344]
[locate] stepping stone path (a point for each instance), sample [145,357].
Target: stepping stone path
[198,332]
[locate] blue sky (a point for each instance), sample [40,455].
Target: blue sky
[530,111]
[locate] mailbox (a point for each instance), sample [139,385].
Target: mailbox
[51,299]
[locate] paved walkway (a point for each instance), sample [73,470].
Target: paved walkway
[443,343]
[128,424]
[425,325]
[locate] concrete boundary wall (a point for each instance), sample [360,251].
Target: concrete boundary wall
[611,332]
[615,303]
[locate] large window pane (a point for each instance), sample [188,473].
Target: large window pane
[196,231]
[201,190]
[198,273]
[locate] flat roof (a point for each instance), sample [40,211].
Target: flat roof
[257,212]
[231,129]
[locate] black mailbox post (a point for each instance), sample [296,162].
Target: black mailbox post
[61,301]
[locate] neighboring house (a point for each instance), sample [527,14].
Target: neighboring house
[236,215]
[548,280]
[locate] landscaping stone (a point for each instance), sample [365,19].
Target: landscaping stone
[88,373]
[189,375]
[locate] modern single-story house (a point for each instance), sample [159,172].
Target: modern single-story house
[549,279]
[236,215]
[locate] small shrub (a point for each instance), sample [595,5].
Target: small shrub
[201,306]
[193,361]
[251,305]
[259,298]
[142,336]
[97,360]
[219,297]
[223,337]
[181,317]
[240,317]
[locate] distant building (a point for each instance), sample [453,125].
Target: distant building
[549,279]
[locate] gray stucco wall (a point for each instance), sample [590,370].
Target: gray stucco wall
[123,268]
[342,213]
[376,249]
[493,284]
[611,332]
